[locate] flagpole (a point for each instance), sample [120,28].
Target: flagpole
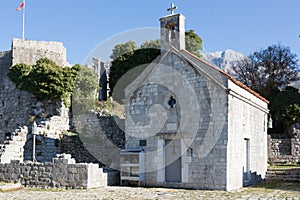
[23,24]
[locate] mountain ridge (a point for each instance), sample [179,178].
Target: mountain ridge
[223,59]
[226,59]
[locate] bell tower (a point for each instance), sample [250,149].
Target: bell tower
[172,30]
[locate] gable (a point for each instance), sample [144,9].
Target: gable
[216,75]
[163,62]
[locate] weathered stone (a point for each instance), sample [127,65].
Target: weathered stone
[180,105]
[66,176]
[282,151]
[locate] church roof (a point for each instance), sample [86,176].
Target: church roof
[185,52]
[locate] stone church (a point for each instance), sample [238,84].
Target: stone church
[191,125]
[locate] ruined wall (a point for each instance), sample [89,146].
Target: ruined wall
[20,108]
[63,172]
[99,140]
[15,105]
[74,146]
[286,150]
[29,51]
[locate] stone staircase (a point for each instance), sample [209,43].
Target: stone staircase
[277,174]
[13,146]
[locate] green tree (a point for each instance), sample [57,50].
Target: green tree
[268,70]
[127,56]
[85,90]
[285,109]
[128,61]
[193,43]
[121,49]
[18,74]
[45,80]
[151,44]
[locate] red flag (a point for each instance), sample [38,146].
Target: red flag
[21,6]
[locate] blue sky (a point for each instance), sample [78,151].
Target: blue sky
[243,26]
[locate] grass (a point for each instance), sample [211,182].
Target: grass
[287,166]
[278,185]
[70,134]
[111,108]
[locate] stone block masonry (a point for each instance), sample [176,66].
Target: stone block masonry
[62,172]
[28,51]
[285,150]
[12,148]
[18,107]
[100,136]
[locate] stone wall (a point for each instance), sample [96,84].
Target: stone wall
[285,150]
[50,140]
[100,140]
[213,119]
[73,145]
[12,147]
[247,143]
[45,148]
[20,108]
[29,51]
[15,105]
[63,172]
[197,122]
[97,140]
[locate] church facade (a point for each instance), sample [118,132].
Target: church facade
[196,126]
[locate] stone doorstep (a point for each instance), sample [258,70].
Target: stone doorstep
[10,187]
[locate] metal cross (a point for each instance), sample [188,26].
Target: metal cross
[173,7]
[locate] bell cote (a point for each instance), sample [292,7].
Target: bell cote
[172,32]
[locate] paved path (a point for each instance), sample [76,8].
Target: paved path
[292,191]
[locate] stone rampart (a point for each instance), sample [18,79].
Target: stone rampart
[20,108]
[29,51]
[62,172]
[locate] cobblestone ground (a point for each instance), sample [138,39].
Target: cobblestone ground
[274,190]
